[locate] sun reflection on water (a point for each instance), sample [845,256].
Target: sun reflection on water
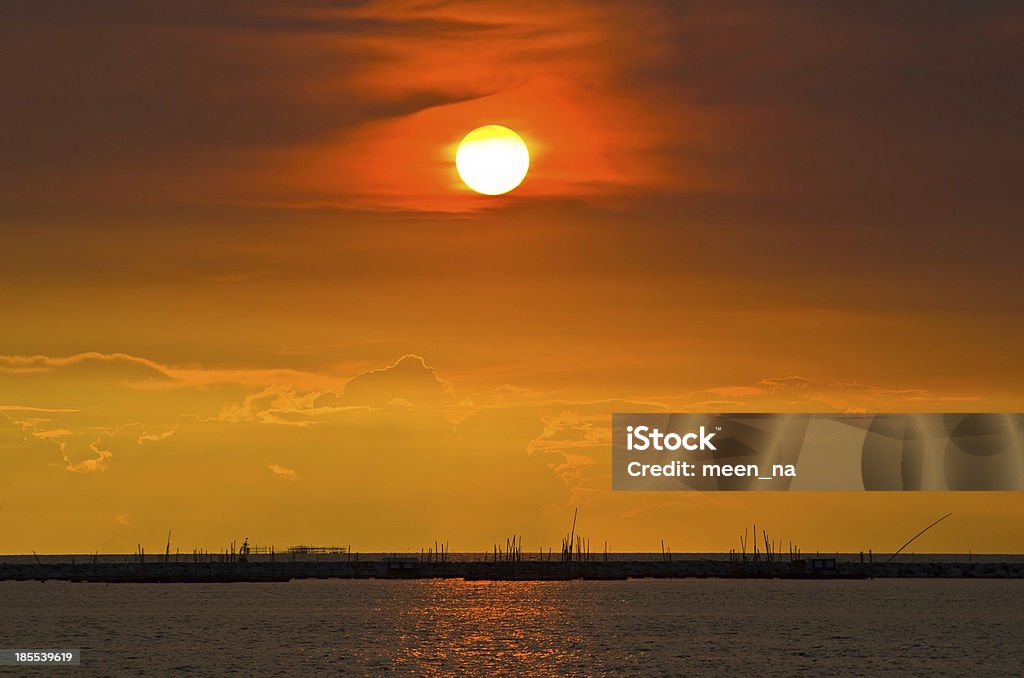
[502,626]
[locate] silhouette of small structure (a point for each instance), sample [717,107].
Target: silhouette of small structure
[402,566]
[814,567]
[317,550]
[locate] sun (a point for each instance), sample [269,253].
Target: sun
[492,159]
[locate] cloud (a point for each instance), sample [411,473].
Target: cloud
[275,404]
[309,104]
[218,94]
[142,368]
[145,374]
[786,383]
[23,408]
[794,393]
[105,416]
[409,381]
[735,391]
[522,458]
[113,416]
[283,472]
[94,465]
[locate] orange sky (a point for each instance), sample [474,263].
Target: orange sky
[245,293]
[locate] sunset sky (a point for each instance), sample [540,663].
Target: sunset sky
[246,294]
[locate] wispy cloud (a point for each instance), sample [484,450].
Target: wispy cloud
[283,472]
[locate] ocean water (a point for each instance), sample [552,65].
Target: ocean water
[451,627]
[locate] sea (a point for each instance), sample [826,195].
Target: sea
[577,628]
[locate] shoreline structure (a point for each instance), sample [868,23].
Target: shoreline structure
[223,568]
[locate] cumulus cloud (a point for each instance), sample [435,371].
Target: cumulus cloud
[409,381]
[94,465]
[107,412]
[519,457]
[275,404]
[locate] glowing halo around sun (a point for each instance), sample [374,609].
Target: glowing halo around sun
[492,159]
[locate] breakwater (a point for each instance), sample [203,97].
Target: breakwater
[414,568]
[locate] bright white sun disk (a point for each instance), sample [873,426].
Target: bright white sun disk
[492,159]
